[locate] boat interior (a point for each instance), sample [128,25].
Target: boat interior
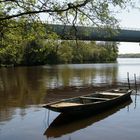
[92,98]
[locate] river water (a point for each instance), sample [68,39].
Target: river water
[23,91]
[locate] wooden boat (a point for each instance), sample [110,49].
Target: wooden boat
[95,102]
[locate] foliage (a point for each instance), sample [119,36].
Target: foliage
[38,52]
[95,12]
[65,52]
[22,34]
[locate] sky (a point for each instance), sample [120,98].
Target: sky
[129,19]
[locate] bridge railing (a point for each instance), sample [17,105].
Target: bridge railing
[130,28]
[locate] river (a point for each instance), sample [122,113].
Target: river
[23,91]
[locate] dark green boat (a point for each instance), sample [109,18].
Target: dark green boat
[95,102]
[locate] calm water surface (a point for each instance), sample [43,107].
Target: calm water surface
[23,90]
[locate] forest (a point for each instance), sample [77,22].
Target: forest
[31,44]
[25,41]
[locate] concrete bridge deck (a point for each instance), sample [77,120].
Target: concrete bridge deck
[67,32]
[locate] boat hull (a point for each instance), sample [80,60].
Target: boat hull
[91,107]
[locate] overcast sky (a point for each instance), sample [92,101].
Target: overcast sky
[130,19]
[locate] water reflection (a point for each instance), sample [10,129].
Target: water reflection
[28,85]
[20,87]
[65,124]
[81,74]
[23,86]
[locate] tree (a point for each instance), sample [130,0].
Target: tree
[111,49]
[20,23]
[65,52]
[97,12]
[15,36]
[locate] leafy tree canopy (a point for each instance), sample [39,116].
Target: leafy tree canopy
[20,26]
[93,12]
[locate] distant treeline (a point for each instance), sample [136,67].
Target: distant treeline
[130,55]
[39,52]
[29,44]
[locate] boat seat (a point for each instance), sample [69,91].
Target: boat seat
[65,104]
[95,98]
[112,94]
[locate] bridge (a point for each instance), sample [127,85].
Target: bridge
[68,32]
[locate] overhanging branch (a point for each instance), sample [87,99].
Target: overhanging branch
[67,8]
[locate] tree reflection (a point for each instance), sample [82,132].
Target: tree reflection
[23,86]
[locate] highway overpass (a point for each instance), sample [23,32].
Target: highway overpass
[67,32]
